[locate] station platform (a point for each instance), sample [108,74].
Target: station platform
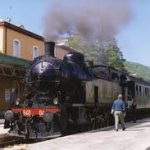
[135,137]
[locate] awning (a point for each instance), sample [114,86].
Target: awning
[10,60]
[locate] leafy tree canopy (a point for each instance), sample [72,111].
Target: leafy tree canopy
[99,52]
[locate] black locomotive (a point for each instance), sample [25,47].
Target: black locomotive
[52,87]
[66,96]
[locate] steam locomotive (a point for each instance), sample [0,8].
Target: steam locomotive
[67,96]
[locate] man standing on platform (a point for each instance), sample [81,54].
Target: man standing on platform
[133,109]
[118,108]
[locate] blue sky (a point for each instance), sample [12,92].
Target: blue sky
[24,12]
[133,40]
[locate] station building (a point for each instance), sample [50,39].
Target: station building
[18,47]
[18,42]
[61,50]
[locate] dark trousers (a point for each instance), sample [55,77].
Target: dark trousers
[134,115]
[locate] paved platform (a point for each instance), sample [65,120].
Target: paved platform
[2,130]
[135,137]
[2,121]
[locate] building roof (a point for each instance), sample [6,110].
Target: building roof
[10,60]
[21,30]
[65,48]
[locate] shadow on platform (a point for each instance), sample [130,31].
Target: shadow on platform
[127,124]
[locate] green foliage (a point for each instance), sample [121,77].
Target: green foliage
[89,49]
[115,57]
[73,42]
[106,53]
[138,70]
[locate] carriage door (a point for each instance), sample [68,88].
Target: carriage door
[95,94]
[131,89]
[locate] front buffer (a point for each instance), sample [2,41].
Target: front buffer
[33,123]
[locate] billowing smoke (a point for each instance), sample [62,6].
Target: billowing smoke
[91,19]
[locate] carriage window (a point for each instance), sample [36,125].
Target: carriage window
[146,91]
[143,91]
[137,90]
[95,94]
[140,90]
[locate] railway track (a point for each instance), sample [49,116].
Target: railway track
[6,140]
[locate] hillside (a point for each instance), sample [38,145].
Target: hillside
[138,69]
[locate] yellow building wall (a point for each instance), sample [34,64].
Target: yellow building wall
[26,43]
[2,39]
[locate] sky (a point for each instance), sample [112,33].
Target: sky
[133,40]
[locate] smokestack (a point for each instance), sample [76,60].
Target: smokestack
[49,48]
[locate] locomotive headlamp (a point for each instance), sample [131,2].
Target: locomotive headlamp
[17,102]
[9,115]
[48,117]
[55,101]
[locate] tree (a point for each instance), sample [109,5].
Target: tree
[115,56]
[73,42]
[90,49]
[99,52]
